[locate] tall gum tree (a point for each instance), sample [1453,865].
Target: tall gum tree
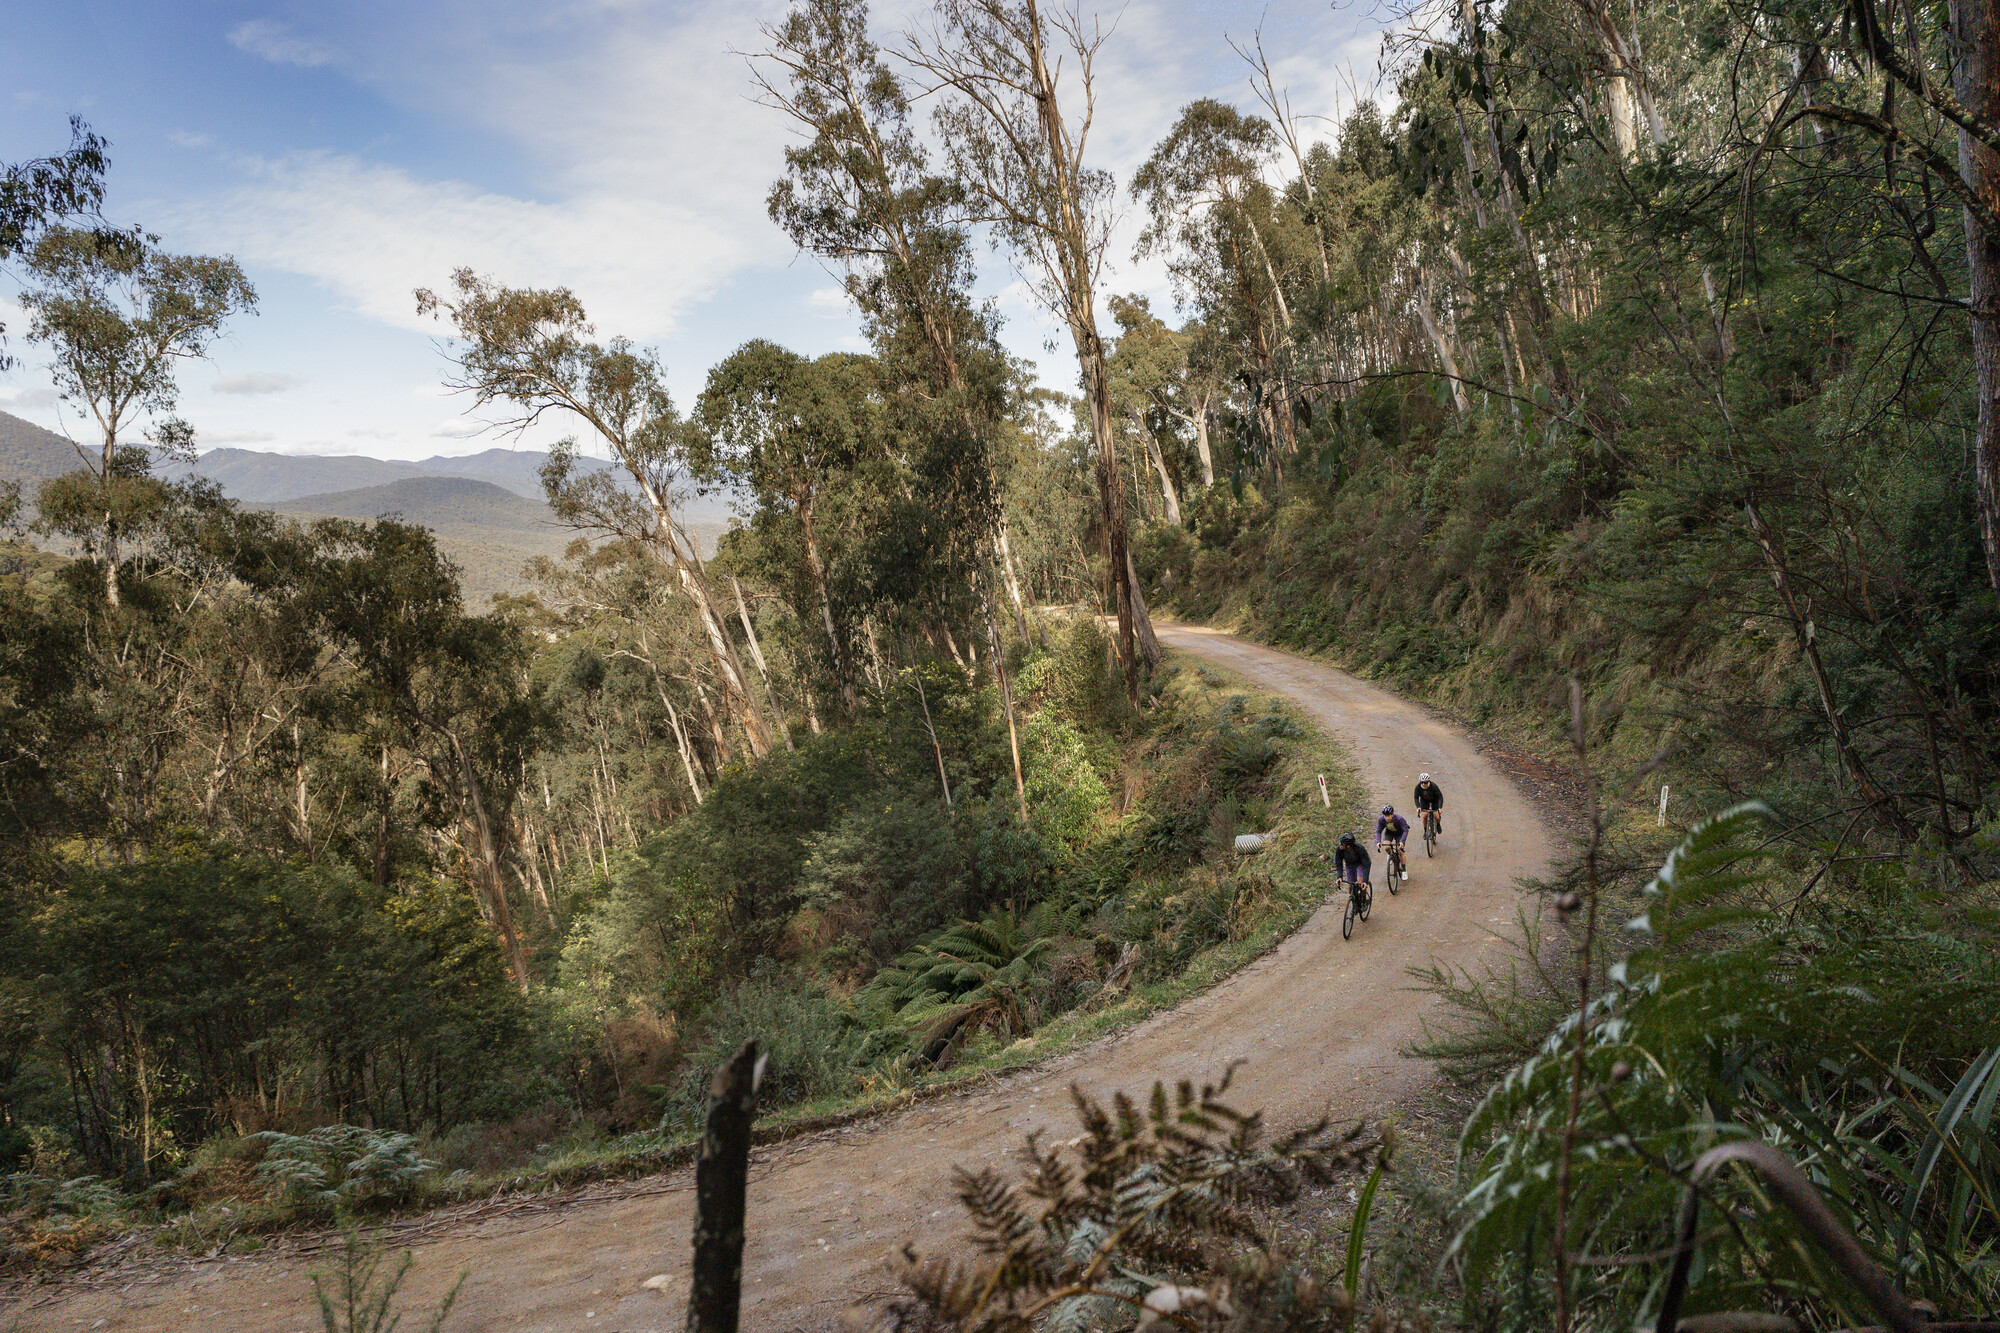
[1022,161]
[119,316]
[40,193]
[1202,187]
[859,192]
[782,425]
[533,349]
[1966,96]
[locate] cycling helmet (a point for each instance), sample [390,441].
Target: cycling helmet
[1423,777]
[1347,840]
[1388,809]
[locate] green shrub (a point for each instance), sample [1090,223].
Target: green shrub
[809,1038]
[1852,1039]
[1065,795]
[889,869]
[1074,682]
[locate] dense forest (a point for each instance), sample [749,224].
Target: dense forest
[1627,381]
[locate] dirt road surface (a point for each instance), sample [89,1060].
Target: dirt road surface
[1318,1023]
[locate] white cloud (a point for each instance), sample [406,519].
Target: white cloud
[220,437]
[187,139]
[278,43]
[649,162]
[457,429]
[374,233]
[612,147]
[255,382]
[29,398]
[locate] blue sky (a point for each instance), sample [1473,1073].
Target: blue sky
[348,152]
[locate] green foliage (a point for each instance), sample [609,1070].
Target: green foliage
[359,1297]
[1064,789]
[184,982]
[1074,682]
[655,935]
[974,975]
[1826,1037]
[344,1165]
[809,1039]
[1148,1210]
[40,1196]
[887,869]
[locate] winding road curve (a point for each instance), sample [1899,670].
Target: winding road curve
[1318,1023]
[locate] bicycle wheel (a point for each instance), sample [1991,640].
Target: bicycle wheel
[1347,918]
[1430,834]
[1367,904]
[1395,874]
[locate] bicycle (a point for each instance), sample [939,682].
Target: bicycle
[1359,900]
[1397,867]
[1430,832]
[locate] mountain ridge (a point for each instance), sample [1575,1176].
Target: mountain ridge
[32,453]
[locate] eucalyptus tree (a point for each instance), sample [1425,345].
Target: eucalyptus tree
[448,686]
[860,192]
[1020,153]
[1211,215]
[785,427]
[119,316]
[1145,365]
[37,194]
[1947,64]
[533,350]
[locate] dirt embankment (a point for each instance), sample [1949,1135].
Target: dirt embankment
[1318,1024]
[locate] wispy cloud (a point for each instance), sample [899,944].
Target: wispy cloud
[459,428]
[220,437]
[187,139]
[255,382]
[626,161]
[28,398]
[650,163]
[374,233]
[279,43]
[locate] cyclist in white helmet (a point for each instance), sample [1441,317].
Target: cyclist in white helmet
[1430,796]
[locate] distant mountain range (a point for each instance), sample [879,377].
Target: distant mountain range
[489,532]
[265,478]
[486,508]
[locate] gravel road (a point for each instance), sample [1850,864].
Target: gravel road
[1318,1023]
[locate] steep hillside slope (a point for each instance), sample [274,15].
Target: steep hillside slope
[1319,1026]
[30,453]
